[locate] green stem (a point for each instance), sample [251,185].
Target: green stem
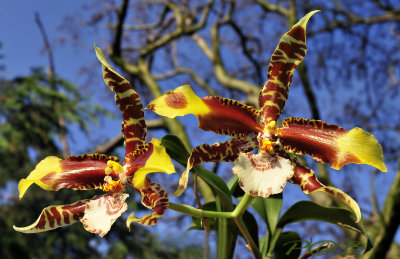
[195,212]
[242,205]
[236,214]
[252,245]
[192,211]
[223,246]
[274,239]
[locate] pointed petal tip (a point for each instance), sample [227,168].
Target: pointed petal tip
[25,230]
[179,191]
[16,228]
[363,146]
[48,166]
[303,21]
[23,186]
[346,199]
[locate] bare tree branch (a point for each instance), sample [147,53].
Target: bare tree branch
[391,217]
[52,79]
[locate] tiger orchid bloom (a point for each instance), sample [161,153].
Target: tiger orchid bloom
[98,171]
[267,172]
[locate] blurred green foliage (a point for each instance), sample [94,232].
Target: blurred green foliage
[29,119]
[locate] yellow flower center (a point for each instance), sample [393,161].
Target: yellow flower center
[266,144]
[114,185]
[264,139]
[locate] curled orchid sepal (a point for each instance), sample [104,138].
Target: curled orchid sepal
[307,180]
[98,171]
[155,198]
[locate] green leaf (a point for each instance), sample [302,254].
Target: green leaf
[307,210]
[269,209]
[287,247]
[214,181]
[175,148]
[226,230]
[234,188]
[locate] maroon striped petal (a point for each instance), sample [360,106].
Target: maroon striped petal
[154,197]
[307,180]
[329,143]
[290,52]
[75,172]
[128,101]
[215,114]
[227,151]
[53,217]
[229,117]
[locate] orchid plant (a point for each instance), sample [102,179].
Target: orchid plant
[266,173]
[262,176]
[99,171]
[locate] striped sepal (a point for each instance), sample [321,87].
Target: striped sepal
[56,216]
[75,172]
[154,197]
[128,101]
[220,115]
[329,143]
[290,52]
[227,151]
[307,180]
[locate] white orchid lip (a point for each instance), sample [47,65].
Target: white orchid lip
[102,212]
[262,174]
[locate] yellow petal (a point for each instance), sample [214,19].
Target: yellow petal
[362,145]
[47,167]
[159,161]
[178,102]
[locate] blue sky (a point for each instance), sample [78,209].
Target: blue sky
[23,44]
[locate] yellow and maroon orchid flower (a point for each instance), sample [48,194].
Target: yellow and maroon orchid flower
[97,171]
[268,171]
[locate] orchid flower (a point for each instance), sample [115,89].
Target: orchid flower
[267,172]
[98,171]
